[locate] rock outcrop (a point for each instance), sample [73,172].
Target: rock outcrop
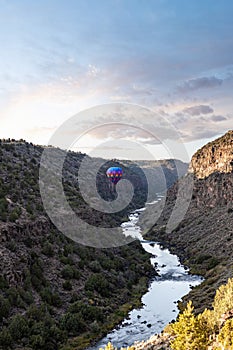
[216,156]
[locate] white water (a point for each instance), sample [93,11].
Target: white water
[160,302]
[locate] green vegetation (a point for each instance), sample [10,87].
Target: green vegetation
[211,329]
[208,328]
[54,293]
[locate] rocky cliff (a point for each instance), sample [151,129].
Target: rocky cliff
[204,238]
[212,167]
[216,156]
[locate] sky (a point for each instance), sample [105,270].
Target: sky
[59,58]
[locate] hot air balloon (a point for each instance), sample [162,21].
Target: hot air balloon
[114,174]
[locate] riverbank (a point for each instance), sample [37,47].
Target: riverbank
[159,303]
[203,241]
[113,320]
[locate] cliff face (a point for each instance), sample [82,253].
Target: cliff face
[216,156]
[204,239]
[215,190]
[212,167]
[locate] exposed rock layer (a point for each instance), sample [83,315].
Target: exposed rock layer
[216,156]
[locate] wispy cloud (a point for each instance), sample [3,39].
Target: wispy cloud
[199,83]
[218,118]
[198,110]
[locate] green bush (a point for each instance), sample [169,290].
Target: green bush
[3,282]
[88,312]
[37,341]
[95,266]
[14,297]
[18,327]
[49,297]
[37,276]
[67,285]
[73,323]
[15,214]
[48,249]
[4,307]
[68,249]
[5,339]
[69,272]
[97,282]
[3,209]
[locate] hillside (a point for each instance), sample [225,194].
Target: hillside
[54,293]
[204,239]
[161,173]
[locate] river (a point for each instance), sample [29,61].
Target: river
[160,302]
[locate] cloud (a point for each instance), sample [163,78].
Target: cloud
[198,110]
[199,83]
[93,71]
[195,127]
[218,118]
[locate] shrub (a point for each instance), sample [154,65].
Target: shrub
[225,336]
[18,327]
[15,214]
[73,323]
[3,209]
[14,297]
[223,300]
[49,297]
[70,272]
[97,282]
[37,341]
[67,285]
[4,307]
[88,312]
[48,249]
[5,339]
[68,249]
[95,266]
[3,282]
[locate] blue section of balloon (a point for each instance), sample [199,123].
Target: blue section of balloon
[114,174]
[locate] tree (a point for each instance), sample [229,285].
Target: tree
[223,300]
[225,336]
[190,332]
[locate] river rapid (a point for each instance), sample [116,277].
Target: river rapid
[160,302]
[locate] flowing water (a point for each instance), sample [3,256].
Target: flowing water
[160,302]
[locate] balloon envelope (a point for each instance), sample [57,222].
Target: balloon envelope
[114,174]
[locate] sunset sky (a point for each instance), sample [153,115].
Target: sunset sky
[58,58]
